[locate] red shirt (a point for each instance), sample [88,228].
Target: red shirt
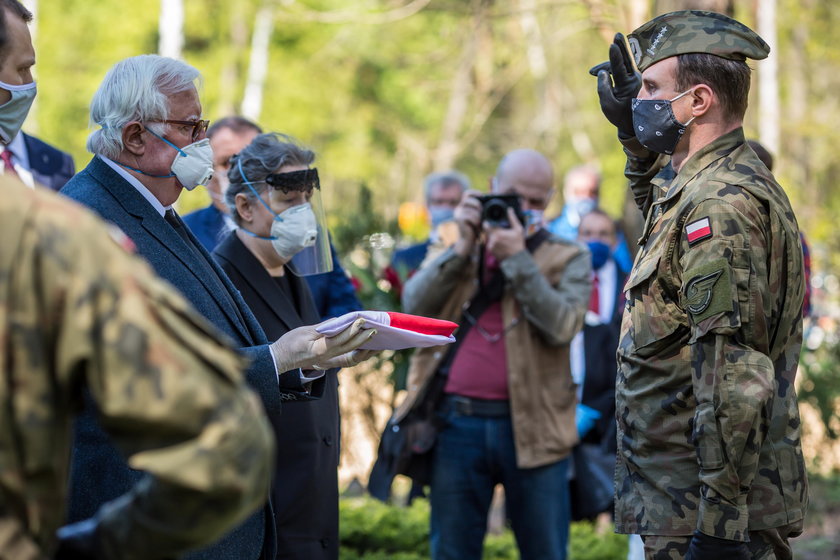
[479,369]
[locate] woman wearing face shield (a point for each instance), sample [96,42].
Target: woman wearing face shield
[274,199]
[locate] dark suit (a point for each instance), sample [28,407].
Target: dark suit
[406,261]
[98,472]
[49,166]
[600,343]
[208,225]
[332,292]
[305,497]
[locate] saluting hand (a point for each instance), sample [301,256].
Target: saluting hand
[618,83]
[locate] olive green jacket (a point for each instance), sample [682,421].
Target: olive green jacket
[547,293]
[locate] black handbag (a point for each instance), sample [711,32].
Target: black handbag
[591,490]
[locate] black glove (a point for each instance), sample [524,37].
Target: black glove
[79,541]
[705,547]
[617,93]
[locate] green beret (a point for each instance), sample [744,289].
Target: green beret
[694,31]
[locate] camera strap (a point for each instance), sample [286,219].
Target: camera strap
[486,295]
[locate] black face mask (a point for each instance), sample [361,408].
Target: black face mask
[655,125]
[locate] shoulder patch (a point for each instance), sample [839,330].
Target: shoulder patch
[698,230]
[708,290]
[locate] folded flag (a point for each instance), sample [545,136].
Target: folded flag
[395,331]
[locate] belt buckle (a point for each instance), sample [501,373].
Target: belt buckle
[463,405]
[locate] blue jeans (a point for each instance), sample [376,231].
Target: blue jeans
[472,455]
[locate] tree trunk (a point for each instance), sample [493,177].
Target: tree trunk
[258,65]
[768,79]
[171,28]
[233,53]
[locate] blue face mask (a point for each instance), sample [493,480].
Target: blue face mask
[600,253]
[441,214]
[582,207]
[14,111]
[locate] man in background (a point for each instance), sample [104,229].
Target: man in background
[443,192]
[504,390]
[22,155]
[581,191]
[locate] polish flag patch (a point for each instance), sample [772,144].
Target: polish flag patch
[698,230]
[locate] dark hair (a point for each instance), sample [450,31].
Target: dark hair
[17,9]
[237,124]
[264,155]
[762,153]
[729,79]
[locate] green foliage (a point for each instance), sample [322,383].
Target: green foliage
[371,530]
[819,382]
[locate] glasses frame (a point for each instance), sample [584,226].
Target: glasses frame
[199,126]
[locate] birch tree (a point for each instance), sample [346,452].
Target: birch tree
[171,28]
[252,100]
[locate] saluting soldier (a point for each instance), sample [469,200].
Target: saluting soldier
[709,457]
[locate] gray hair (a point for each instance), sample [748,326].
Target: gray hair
[263,156]
[445,178]
[135,89]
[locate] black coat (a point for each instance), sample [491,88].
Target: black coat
[305,492]
[600,343]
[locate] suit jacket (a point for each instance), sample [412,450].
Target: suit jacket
[49,166]
[305,495]
[406,261]
[600,343]
[208,225]
[332,292]
[99,473]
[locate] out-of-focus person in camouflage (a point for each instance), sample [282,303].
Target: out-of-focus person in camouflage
[79,312]
[709,456]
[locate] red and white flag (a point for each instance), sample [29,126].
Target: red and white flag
[698,230]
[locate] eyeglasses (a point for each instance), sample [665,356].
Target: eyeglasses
[199,126]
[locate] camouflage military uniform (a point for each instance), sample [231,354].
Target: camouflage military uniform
[77,311]
[708,425]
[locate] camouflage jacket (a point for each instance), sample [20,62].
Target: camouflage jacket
[77,311]
[708,424]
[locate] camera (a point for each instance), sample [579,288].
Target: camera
[494,209]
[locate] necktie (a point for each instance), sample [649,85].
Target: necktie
[209,272]
[9,167]
[595,296]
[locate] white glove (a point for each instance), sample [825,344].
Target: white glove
[306,348]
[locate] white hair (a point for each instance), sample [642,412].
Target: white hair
[135,89]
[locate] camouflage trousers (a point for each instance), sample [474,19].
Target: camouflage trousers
[768,544]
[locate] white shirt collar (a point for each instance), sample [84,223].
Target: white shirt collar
[141,188]
[20,159]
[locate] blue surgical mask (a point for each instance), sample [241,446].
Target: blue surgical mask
[600,253]
[582,207]
[441,214]
[14,111]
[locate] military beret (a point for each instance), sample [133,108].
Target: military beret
[694,31]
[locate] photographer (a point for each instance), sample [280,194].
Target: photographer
[508,401]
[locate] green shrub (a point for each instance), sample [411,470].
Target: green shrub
[371,530]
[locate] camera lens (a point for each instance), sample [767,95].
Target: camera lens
[495,211]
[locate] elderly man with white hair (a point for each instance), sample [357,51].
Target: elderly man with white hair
[149,145]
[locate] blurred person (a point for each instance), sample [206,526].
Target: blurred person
[228,136]
[23,155]
[581,193]
[272,181]
[710,460]
[442,193]
[151,145]
[504,390]
[332,292]
[593,349]
[120,335]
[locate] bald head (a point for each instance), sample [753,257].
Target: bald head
[582,182]
[528,174]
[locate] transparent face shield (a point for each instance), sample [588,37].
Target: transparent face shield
[299,233]
[316,257]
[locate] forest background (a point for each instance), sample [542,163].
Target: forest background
[386,91]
